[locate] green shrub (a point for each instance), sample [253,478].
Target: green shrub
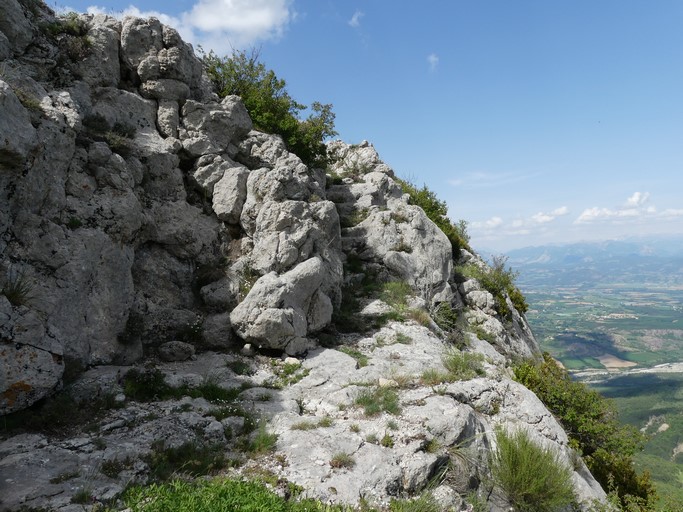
[437,211]
[593,428]
[532,477]
[270,106]
[445,316]
[499,281]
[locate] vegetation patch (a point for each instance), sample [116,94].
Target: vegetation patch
[360,358]
[593,428]
[239,367]
[342,460]
[437,211]
[499,281]
[270,106]
[376,400]
[190,458]
[532,477]
[311,425]
[18,289]
[463,365]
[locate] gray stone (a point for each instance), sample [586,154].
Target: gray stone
[217,331]
[276,311]
[168,118]
[209,128]
[230,193]
[17,135]
[140,38]
[15,26]
[101,67]
[165,89]
[176,351]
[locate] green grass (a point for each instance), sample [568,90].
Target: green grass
[190,458]
[361,358]
[377,400]
[263,441]
[463,365]
[342,460]
[532,477]
[218,495]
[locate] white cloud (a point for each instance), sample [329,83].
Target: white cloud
[671,213]
[355,19]
[638,199]
[433,61]
[222,24]
[492,223]
[542,218]
[633,208]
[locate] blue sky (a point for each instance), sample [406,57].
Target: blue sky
[536,121]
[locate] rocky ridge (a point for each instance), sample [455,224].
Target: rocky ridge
[143,221]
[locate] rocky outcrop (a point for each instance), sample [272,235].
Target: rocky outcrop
[143,219]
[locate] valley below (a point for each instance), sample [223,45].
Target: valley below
[612,314]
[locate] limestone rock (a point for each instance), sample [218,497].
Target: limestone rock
[279,310]
[176,351]
[168,118]
[229,194]
[140,38]
[217,331]
[17,135]
[209,128]
[101,67]
[289,232]
[31,361]
[15,25]
[165,89]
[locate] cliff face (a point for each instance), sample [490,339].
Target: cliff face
[141,217]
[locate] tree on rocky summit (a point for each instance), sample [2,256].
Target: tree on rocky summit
[270,106]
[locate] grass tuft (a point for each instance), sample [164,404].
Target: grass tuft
[532,477]
[377,400]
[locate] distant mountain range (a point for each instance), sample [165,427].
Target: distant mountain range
[652,260]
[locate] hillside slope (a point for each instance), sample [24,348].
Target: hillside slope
[158,256]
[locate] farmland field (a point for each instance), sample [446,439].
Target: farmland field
[615,321]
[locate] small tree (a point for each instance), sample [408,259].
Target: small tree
[270,106]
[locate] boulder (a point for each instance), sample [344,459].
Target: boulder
[408,245]
[280,310]
[230,193]
[101,66]
[289,232]
[139,39]
[210,127]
